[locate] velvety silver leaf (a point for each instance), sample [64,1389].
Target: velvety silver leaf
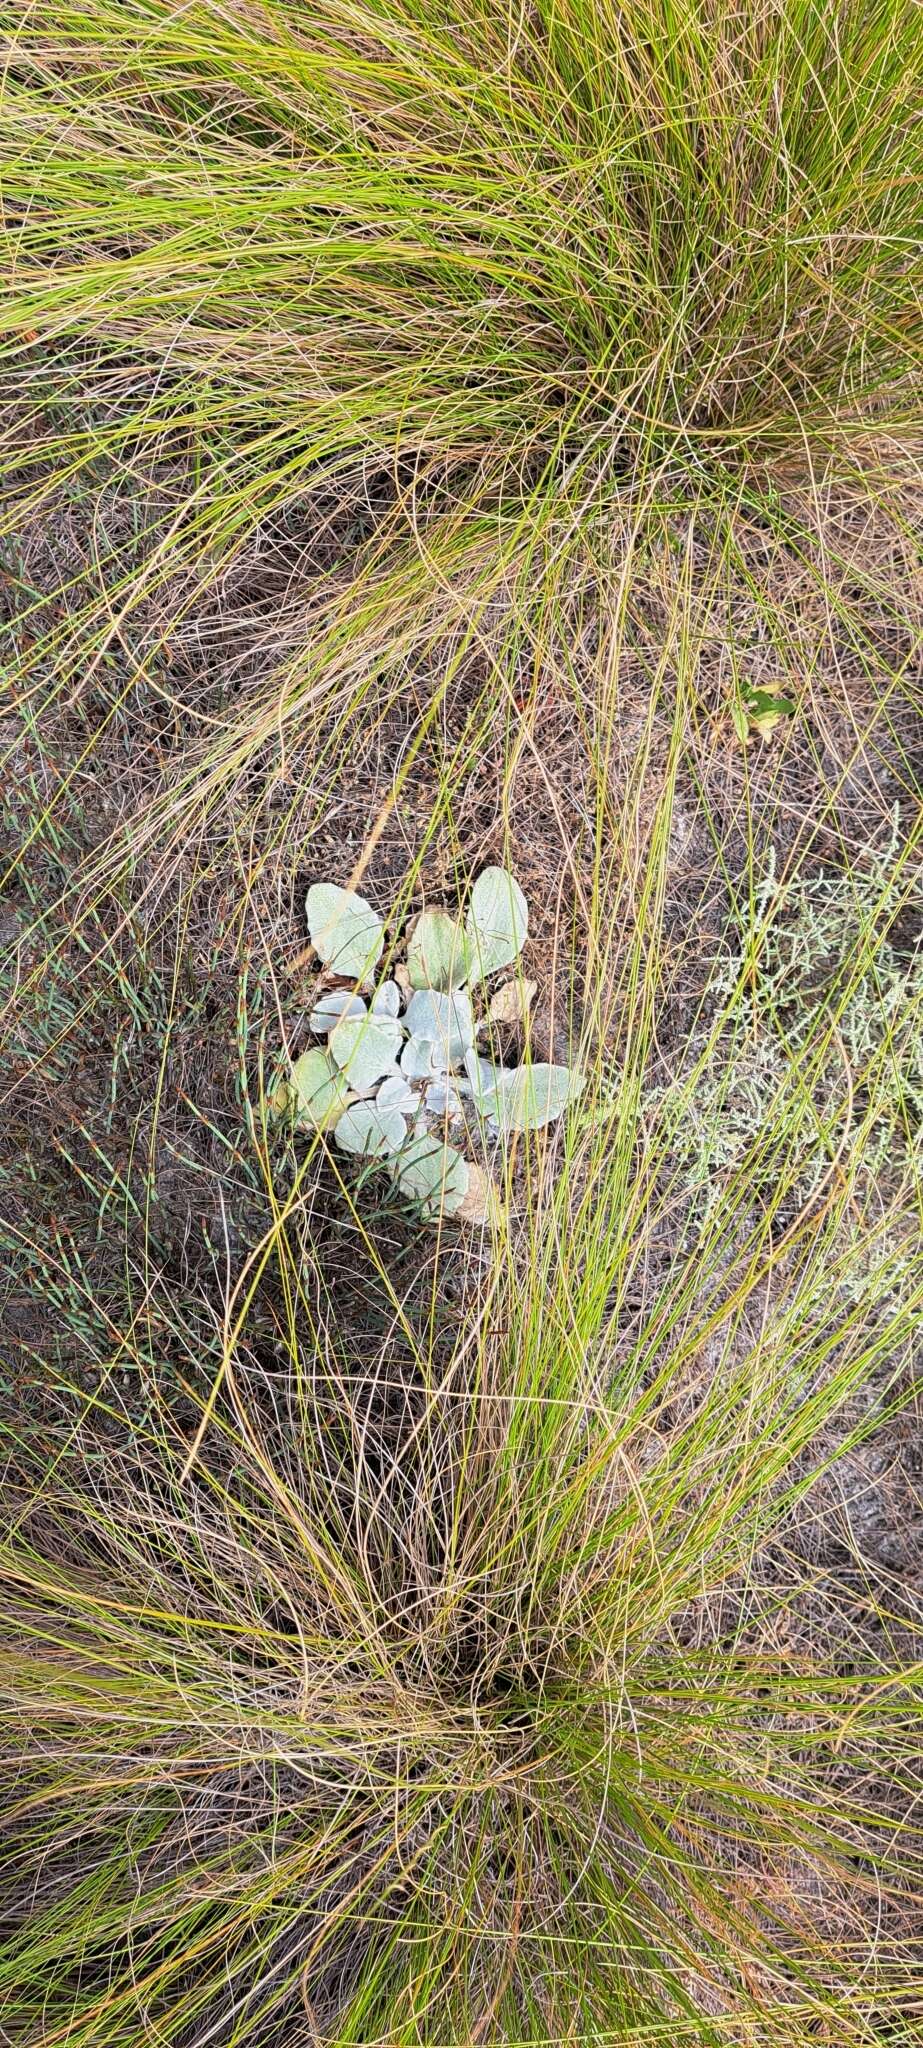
[345,931]
[330,1007]
[527,1098]
[446,1020]
[419,1059]
[440,1098]
[369,1131]
[497,922]
[433,1174]
[437,951]
[386,1002]
[365,1049]
[396,1093]
[318,1091]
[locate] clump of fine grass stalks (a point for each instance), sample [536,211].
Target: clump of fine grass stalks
[450,288]
[416,1687]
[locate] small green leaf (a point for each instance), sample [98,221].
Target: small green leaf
[497,921]
[739,718]
[318,1093]
[765,710]
[345,931]
[433,1174]
[369,1131]
[759,702]
[437,952]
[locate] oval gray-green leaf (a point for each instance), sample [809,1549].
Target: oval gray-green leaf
[369,1131]
[528,1098]
[344,930]
[365,1049]
[396,1093]
[497,922]
[386,1002]
[433,1174]
[317,1091]
[483,1078]
[444,1019]
[419,1059]
[437,952]
[330,1007]
[440,1098]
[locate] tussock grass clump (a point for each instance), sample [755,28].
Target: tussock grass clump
[419,1687]
[436,291]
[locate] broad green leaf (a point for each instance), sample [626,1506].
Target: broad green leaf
[433,1174]
[317,1091]
[446,1020]
[370,1131]
[344,929]
[437,952]
[365,1049]
[497,922]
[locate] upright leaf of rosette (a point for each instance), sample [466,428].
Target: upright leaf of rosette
[346,933]
[497,922]
[437,952]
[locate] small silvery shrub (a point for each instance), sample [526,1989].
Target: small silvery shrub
[831,1005]
[396,1061]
